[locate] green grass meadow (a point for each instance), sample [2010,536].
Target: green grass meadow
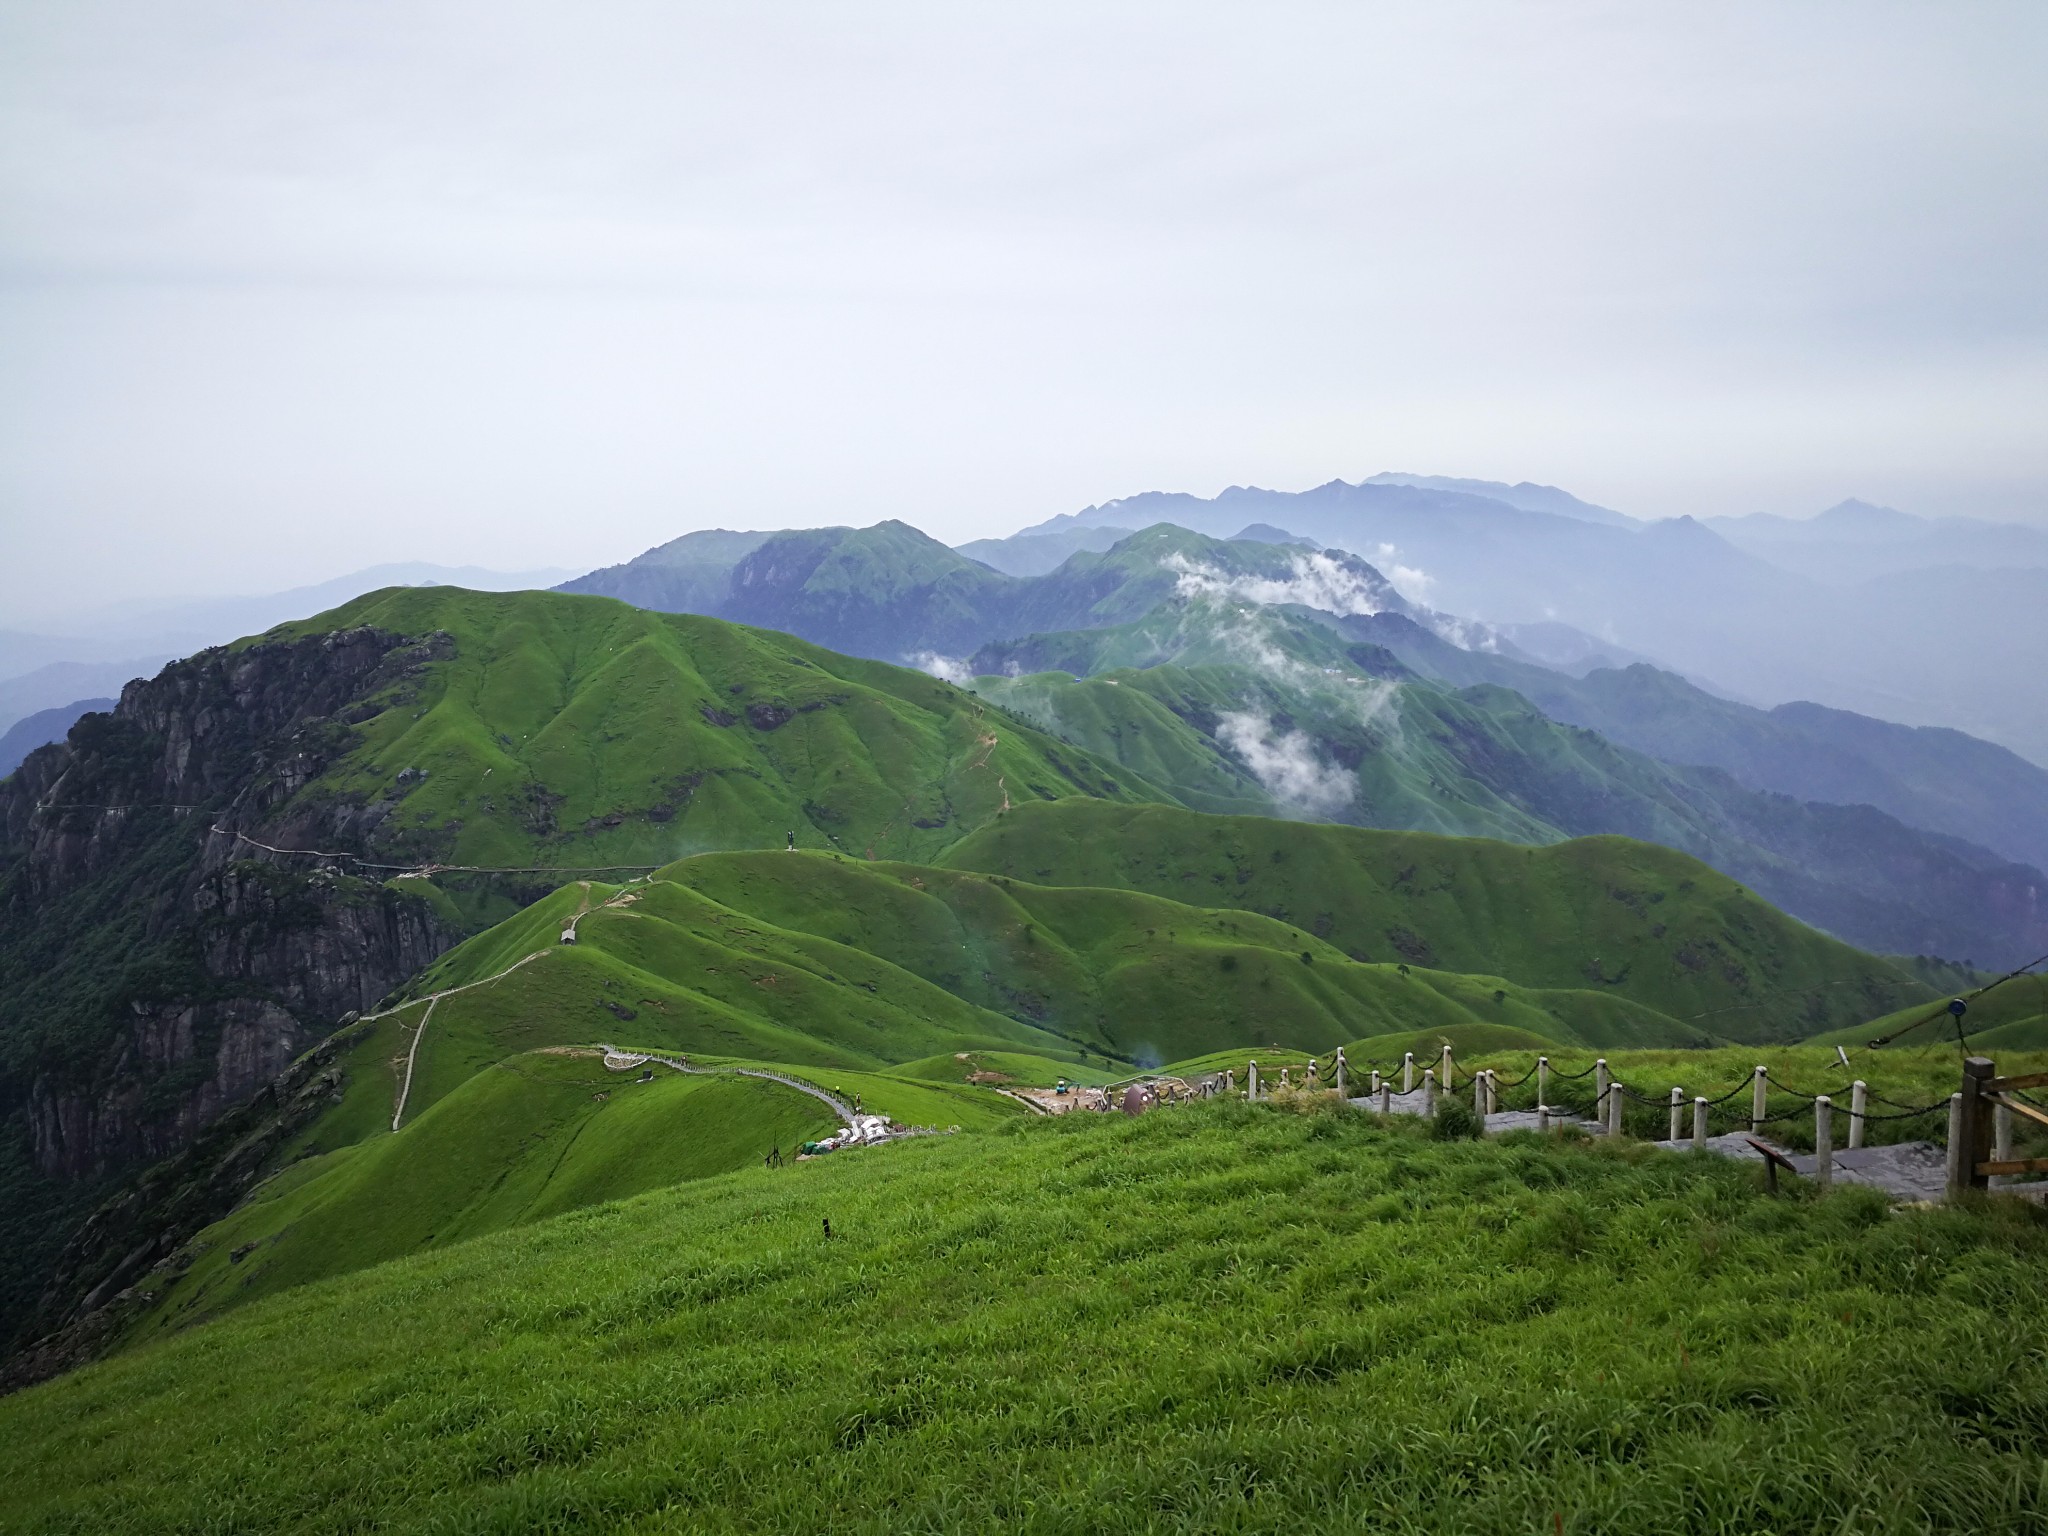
[1223,1317]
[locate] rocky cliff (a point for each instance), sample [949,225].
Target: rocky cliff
[162,959]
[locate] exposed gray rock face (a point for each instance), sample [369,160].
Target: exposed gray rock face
[164,964]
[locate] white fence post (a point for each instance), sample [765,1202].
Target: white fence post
[1614,1097]
[1479,1098]
[1251,1081]
[1343,1088]
[1758,1106]
[1542,1080]
[1386,1095]
[1375,1088]
[2001,1141]
[1859,1103]
[1407,1071]
[1677,1114]
[1824,1141]
[1429,1090]
[1443,1078]
[1955,1141]
[1542,1117]
[1699,1123]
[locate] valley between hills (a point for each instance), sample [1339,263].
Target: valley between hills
[413,1017]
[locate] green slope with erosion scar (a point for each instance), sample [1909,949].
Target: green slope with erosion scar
[1221,1317]
[1626,919]
[558,731]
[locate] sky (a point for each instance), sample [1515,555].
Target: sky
[290,290]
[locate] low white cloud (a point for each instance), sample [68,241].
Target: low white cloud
[1411,581]
[1314,580]
[1286,765]
[951,669]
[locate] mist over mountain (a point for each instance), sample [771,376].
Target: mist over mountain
[93,651]
[1941,645]
[1526,495]
[1855,541]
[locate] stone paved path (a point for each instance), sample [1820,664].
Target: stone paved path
[1912,1170]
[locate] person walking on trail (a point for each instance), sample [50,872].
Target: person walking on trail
[792,843]
[773,1159]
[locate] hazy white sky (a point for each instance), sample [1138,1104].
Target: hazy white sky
[291,289]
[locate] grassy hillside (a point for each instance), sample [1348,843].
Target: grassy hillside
[1601,914]
[2013,1016]
[527,1138]
[559,730]
[1273,710]
[1214,1319]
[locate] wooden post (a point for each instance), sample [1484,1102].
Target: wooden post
[1429,1090]
[1677,1114]
[1600,1085]
[1251,1081]
[1759,1101]
[1823,1141]
[1542,1081]
[1859,1104]
[2001,1141]
[1699,1123]
[1443,1078]
[1614,1098]
[1407,1071]
[1976,1120]
[1956,1182]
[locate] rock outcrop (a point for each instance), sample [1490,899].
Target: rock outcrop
[166,958]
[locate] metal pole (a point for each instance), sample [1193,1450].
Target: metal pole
[1824,1141]
[1859,1102]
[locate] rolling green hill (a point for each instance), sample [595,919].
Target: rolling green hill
[560,730]
[1273,710]
[1604,914]
[1221,1318]
[271,836]
[880,980]
[893,592]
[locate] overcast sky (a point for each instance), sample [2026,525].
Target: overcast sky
[287,290]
